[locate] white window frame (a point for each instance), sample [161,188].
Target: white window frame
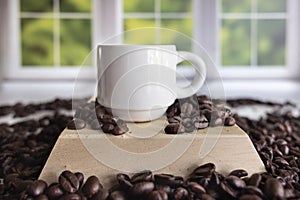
[110,13]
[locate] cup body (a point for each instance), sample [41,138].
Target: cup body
[138,82]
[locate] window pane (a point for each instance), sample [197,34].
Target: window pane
[75,5]
[142,36]
[236,6]
[37,41]
[235,38]
[271,6]
[75,38]
[138,6]
[36,6]
[176,6]
[177,26]
[271,42]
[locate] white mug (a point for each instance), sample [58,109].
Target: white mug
[138,82]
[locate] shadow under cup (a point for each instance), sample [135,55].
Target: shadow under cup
[137,82]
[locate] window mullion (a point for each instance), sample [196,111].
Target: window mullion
[56,32]
[253,33]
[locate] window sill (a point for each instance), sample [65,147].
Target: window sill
[36,91]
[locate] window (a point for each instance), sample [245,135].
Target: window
[253,33]
[169,14]
[55,32]
[245,38]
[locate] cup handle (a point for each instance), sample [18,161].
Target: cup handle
[199,77]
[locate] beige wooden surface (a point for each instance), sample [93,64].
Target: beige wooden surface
[146,146]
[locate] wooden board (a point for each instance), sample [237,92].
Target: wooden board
[146,146]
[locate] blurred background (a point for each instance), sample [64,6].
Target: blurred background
[254,44]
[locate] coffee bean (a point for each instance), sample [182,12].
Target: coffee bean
[54,191]
[238,173]
[68,181]
[273,189]
[76,124]
[158,195]
[164,179]
[70,197]
[91,186]
[174,128]
[229,190]
[117,195]
[229,121]
[180,193]
[196,188]
[41,197]
[235,182]
[254,180]
[201,122]
[205,170]
[80,177]
[100,111]
[165,188]
[119,131]
[141,188]
[186,109]
[108,128]
[142,176]
[37,188]
[101,195]
[250,197]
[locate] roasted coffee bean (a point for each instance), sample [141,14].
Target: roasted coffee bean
[175,119]
[205,170]
[80,177]
[119,131]
[54,191]
[158,195]
[76,124]
[229,121]
[201,122]
[100,111]
[180,194]
[235,182]
[273,189]
[108,128]
[229,190]
[164,179]
[165,188]
[117,195]
[101,195]
[174,128]
[187,109]
[91,186]
[37,188]
[141,188]
[41,197]
[250,197]
[70,197]
[68,181]
[142,176]
[196,188]
[254,180]
[239,173]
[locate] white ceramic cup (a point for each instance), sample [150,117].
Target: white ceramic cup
[138,82]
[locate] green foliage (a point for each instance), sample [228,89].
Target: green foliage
[75,39]
[36,5]
[271,6]
[236,6]
[75,5]
[138,5]
[271,42]
[176,5]
[37,41]
[235,39]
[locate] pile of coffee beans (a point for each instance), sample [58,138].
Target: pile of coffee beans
[184,115]
[26,144]
[189,114]
[203,183]
[97,117]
